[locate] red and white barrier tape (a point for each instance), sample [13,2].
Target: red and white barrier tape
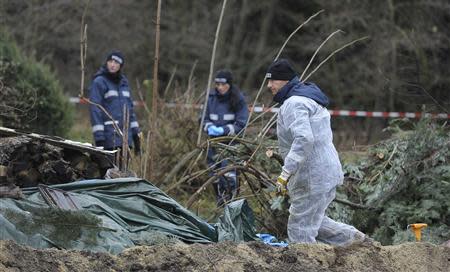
[385,114]
[379,114]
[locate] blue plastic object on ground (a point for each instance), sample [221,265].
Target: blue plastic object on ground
[271,240]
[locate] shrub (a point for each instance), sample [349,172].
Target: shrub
[404,180]
[31,98]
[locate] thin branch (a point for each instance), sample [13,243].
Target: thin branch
[276,57]
[262,113]
[211,68]
[256,190]
[191,75]
[295,31]
[263,179]
[184,160]
[83,51]
[152,119]
[385,164]
[270,124]
[332,53]
[147,154]
[141,97]
[226,139]
[186,179]
[195,175]
[83,47]
[116,127]
[172,75]
[125,147]
[209,181]
[235,137]
[354,205]
[317,51]
[429,95]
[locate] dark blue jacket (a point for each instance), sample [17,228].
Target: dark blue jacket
[296,88]
[220,114]
[112,95]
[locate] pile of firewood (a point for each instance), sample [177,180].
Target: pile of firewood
[27,162]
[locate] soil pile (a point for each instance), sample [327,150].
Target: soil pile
[227,256]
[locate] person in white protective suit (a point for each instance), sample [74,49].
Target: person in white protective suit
[311,169]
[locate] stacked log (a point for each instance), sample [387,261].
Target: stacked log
[28,162]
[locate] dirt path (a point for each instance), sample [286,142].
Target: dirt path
[231,257]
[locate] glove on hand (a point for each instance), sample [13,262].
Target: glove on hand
[137,143]
[100,143]
[215,131]
[282,182]
[210,129]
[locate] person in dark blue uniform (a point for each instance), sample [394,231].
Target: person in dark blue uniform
[226,115]
[110,89]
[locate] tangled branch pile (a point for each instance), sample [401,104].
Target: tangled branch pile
[403,180]
[256,162]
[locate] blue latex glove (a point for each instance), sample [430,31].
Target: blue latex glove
[211,129]
[271,240]
[215,131]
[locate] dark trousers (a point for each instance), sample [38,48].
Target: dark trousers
[225,186]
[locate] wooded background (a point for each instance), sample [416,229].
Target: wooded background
[402,66]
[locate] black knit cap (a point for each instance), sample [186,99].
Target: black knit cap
[281,69]
[117,56]
[224,76]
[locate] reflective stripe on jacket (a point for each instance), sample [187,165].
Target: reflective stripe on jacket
[220,114]
[113,97]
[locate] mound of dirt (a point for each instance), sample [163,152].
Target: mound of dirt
[227,256]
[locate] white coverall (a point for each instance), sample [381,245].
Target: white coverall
[306,145]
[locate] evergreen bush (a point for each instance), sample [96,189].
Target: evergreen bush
[403,180]
[31,97]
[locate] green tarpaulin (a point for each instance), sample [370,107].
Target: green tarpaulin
[237,223]
[115,214]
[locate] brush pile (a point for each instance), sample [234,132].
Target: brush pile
[399,181]
[402,180]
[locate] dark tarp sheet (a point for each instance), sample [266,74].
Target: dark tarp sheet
[132,212]
[116,214]
[237,223]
